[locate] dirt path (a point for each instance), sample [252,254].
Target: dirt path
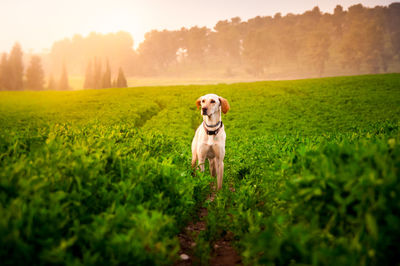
[188,236]
[222,252]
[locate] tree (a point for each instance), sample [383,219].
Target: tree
[97,76]
[317,54]
[16,68]
[35,74]
[196,42]
[338,20]
[106,82]
[4,75]
[393,17]
[89,78]
[114,83]
[63,84]
[363,44]
[227,39]
[118,47]
[51,85]
[121,80]
[158,51]
[259,51]
[316,41]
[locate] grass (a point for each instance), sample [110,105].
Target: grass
[103,176]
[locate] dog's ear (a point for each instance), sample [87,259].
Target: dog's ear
[224,105]
[198,103]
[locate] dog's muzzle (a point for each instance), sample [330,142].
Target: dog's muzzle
[204,111]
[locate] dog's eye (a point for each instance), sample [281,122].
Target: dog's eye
[212,101]
[203,101]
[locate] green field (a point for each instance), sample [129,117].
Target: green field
[103,176]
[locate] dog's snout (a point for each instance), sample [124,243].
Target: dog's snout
[204,111]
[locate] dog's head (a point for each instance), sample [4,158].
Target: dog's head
[211,103]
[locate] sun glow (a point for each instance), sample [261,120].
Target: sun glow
[116,23]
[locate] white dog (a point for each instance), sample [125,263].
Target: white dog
[209,140]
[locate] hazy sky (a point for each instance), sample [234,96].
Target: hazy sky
[36,24]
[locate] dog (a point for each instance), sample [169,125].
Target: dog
[209,139]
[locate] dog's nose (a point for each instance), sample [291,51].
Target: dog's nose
[204,111]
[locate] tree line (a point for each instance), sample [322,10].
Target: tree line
[359,40]
[96,79]
[354,41]
[13,76]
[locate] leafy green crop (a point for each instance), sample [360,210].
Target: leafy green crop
[103,176]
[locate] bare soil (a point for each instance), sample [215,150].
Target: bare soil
[222,251]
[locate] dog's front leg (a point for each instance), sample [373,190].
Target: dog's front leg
[202,156]
[202,160]
[220,173]
[194,160]
[213,167]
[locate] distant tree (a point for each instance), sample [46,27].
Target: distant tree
[1,76]
[118,47]
[374,51]
[63,83]
[318,50]
[97,76]
[338,11]
[35,74]
[4,75]
[259,50]
[338,20]
[121,80]
[106,82]
[16,68]
[51,85]
[89,77]
[226,40]
[114,83]
[196,42]
[316,40]
[393,22]
[363,44]
[158,51]
[351,54]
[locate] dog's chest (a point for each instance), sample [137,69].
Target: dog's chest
[211,146]
[211,152]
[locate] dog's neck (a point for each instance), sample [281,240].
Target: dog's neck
[212,120]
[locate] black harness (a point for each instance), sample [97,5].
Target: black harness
[213,132]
